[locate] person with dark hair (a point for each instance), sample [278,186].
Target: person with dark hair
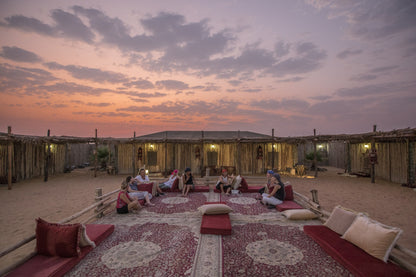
[188,181]
[134,192]
[276,192]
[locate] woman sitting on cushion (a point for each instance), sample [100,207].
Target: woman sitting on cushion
[188,181]
[125,203]
[276,193]
[170,181]
[134,192]
[224,182]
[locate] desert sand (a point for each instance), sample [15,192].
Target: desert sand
[66,194]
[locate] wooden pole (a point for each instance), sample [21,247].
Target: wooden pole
[48,155]
[202,153]
[95,155]
[273,149]
[238,171]
[373,149]
[166,154]
[314,153]
[98,194]
[134,154]
[9,158]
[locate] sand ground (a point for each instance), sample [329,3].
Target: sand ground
[66,194]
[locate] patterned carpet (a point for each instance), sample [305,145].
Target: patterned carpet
[164,240]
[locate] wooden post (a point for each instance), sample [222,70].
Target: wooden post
[273,149]
[9,158]
[166,154]
[98,194]
[238,170]
[202,153]
[373,149]
[410,162]
[134,155]
[48,155]
[95,155]
[314,153]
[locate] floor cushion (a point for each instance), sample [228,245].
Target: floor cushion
[356,260]
[288,205]
[174,188]
[42,266]
[216,224]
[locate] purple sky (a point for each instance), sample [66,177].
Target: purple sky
[149,66]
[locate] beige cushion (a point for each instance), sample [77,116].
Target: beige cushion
[340,219]
[84,240]
[214,209]
[373,237]
[299,214]
[237,182]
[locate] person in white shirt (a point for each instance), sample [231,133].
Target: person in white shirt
[142,178]
[170,181]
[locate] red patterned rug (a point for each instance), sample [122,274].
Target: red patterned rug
[272,250]
[246,204]
[176,203]
[142,250]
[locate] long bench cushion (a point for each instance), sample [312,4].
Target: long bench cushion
[201,189]
[42,266]
[288,205]
[216,224]
[350,256]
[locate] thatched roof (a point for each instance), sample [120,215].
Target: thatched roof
[195,136]
[408,134]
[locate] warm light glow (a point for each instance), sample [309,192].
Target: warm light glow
[366,146]
[147,171]
[151,146]
[212,146]
[320,146]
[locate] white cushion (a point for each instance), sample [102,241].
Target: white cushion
[299,214]
[340,219]
[214,209]
[373,237]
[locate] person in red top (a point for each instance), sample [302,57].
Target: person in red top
[125,203]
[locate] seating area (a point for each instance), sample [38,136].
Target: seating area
[42,265]
[215,218]
[360,244]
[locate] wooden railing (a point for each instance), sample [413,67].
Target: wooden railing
[103,205]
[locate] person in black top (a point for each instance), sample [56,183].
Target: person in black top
[188,181]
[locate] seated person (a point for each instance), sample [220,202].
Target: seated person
[125,203]
[135,193]
[188,181]
[170,181]
[142,178]
[224,182]
[276,193]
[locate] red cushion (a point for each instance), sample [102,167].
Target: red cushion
[289,192]
[352,257]
[145,187]
[243,185]
[216,224]
[288,205]
[57,239]
[46,266]
[201,189]
[175,185]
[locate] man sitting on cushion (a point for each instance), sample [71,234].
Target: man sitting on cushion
[276,193]
[224,182]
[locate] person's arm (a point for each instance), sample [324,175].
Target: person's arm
[124,197]
[276,187]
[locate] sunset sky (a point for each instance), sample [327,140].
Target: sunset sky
[339,67]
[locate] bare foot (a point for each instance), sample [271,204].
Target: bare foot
[150,204]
